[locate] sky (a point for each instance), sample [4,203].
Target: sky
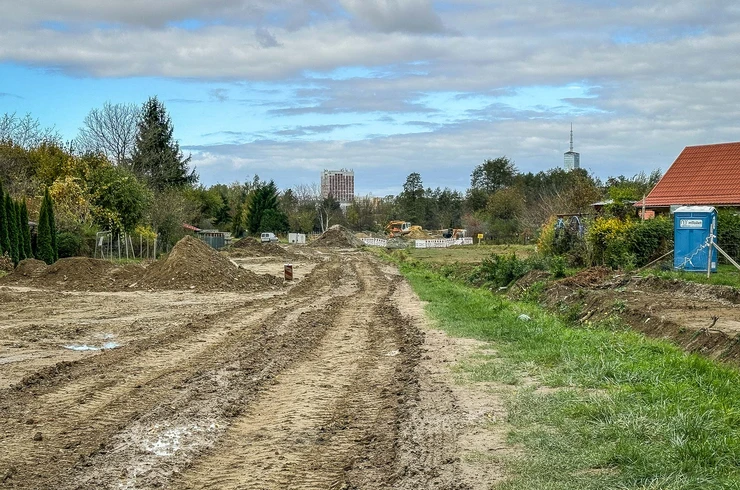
[286,88]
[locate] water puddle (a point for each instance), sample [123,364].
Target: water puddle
[83,347]
[108,344]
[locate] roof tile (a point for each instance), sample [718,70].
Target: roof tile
[706,174]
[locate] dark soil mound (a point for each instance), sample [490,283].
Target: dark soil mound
[194,265]
[251,247]
[6,263]
[74,274]
[30,268]
[587,277]
[337,236]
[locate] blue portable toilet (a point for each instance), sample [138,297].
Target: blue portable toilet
[691,228]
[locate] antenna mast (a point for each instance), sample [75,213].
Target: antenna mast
[571,136]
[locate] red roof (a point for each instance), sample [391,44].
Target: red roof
[706,174]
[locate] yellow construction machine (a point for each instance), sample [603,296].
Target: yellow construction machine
[397,228]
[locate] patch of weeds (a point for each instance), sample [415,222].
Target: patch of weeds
[534,293]
[619,306]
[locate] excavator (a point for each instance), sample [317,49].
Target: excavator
[397,228]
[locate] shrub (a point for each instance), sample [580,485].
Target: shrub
[502,270]
[650,239]
[69,244]
[611,246]
[728,232]
[557,267]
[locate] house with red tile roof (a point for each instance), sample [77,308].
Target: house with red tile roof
[701,175]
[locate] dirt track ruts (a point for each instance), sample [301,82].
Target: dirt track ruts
[300,389]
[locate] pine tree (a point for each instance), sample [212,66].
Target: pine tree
[21,235]
[4,237]
[12,228]
[157,157]
[44,251]
[26,230]
[52,225]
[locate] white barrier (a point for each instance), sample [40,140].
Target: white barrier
[375,242]
[443,242]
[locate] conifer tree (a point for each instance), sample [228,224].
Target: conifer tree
[4,238]
[52,224]
[157,157]
[19,223]
[43,241]
[12,228]
[26,230]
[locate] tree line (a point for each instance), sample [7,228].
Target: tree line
[125,173]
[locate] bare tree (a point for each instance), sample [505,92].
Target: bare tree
[111,131]
[26,131]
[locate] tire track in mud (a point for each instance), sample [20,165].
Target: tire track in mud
[78,410]
[330,421]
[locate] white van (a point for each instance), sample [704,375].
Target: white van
[268,237]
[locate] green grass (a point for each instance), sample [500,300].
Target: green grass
[726,275]
[625,412]
[469,253]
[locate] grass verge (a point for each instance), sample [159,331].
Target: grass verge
[726,275]
[625,412]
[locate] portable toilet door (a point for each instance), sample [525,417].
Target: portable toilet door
[692,226]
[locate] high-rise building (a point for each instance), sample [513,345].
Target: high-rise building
[339,183]
[571,159]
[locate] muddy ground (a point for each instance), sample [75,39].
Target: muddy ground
[331,381]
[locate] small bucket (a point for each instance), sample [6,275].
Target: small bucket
[288,269]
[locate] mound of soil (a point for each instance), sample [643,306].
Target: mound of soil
[6,263]
[251,247]
[74,274]
[30,268]
[587,277]
[194,265]
[337,236]
[418,234]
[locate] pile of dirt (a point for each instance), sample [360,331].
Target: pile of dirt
[251,247]
[587,277]
[192,264]
[6,263]
[30,268]
[337,236]
[417,233]
[526,281]
[74,274]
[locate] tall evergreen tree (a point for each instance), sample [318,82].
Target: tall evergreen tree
[52,224]
[12,228]
[21,235]
[265,199]
[26,231]
[157,157]
[43,241]
[4,238]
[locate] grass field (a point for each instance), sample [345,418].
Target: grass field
[469,253]
[595,407]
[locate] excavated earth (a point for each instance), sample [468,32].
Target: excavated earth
[701,318]
[126,377]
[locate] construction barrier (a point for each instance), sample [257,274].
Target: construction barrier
[443,242]
[375,242]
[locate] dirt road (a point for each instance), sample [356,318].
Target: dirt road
[318,384]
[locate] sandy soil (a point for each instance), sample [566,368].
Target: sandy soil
[332,381]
